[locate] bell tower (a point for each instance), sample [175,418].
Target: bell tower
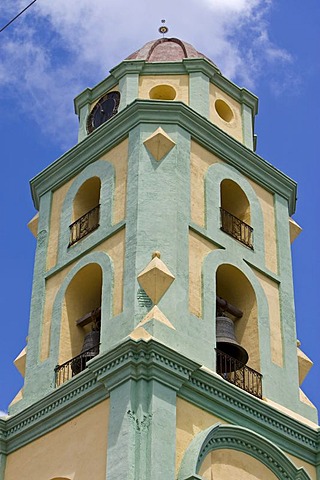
[162,339]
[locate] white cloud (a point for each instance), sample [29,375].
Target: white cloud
[58,48]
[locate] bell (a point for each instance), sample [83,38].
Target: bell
[91,342]
[231,356]
[90,349]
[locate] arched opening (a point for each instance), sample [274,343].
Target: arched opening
[81,318]
[86,206]
[239,332]
[235,212]
[162,92]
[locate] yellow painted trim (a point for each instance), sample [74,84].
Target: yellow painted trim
[199,247]
[53,285]
[270,237]
[271,290]
[56,207]
[115,247]
[118,157]
[200,161]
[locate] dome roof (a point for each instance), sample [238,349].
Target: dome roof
[166,50]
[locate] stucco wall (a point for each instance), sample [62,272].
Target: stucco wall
[77,450]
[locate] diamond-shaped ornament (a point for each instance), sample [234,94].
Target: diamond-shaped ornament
[156,278]
[20,361]
[156,314]
[159,144]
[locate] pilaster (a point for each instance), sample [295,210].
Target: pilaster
[129,89]
[3,459]
[83,114]
[199,93]
[122,441]
[247,126]
[34,377]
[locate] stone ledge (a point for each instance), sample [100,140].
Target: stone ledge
[152,360]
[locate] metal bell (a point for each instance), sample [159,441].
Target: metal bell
[89,350]
[91,343]
[231,355]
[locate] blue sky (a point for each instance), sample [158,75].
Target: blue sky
[58,48]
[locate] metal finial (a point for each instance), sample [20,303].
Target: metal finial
[163,29]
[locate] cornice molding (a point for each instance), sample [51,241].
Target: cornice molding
[63,404]
[213,394]
[90,95]
[147,360]
[150,111]
[127,67]
[154,361]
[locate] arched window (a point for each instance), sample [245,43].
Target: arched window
[238,359]
[235,212]
[81,319]
[86,209]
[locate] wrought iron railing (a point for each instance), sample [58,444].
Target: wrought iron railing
[84,225]
[74,366]
[240,375]
[236,228]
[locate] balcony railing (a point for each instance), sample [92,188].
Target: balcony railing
[74,366]
[235,227]
[84,225]
[243,377]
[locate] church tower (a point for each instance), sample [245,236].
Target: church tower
[162,340]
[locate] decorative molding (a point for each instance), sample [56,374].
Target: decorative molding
[140,425]
[155,278]
[65,403]
[159,144]
[141,359]
[151,360]
[148,111]
[241,439]
[230,403]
